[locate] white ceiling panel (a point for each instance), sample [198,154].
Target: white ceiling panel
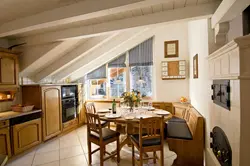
[157,8]
[179,4]
[191,2]
[137,12]
[168,6]
[147,10]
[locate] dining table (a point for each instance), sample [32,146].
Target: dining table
[130,119]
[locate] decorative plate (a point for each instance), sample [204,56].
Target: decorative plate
[161,112]
[103,111]
[143,116]
[111,116]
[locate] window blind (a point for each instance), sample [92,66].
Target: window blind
[97,73]
[142,55]
[118,62]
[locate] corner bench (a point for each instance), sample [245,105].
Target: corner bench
[185,136]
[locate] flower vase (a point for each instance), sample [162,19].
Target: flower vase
[131,106]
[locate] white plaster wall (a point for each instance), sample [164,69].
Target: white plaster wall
[236,28]
[200,92]
[200,95]
[170,90]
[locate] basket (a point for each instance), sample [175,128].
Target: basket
[18,108]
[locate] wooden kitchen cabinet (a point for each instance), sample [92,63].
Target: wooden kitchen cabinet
[52,111]
[81,108]
[5,147]
[26,135]
[8,70]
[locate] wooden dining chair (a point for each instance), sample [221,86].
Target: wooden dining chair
[90,108]
[100,136]
[149,139]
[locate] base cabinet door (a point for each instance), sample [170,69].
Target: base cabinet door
[52,111]
[5,141]
[26,135]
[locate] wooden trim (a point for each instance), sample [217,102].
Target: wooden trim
[176,42]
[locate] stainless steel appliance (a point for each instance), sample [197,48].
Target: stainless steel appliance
[69,102]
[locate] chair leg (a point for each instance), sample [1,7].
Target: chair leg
[118,149]
[89,154]
[133,155]
[162,157]
[154,157]
[141,158]
[101,155]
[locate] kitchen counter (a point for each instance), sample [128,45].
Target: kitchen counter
[11,114]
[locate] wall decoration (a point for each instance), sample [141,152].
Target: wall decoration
[173,70]
[171,48]
[195,66]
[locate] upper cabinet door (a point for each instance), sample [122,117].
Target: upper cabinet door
[8,70]
[52,112]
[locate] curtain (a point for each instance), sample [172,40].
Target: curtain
[97,73]
[142,55]
[118,62]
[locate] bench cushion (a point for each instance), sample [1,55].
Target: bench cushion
[179,131]
[148,142]
[177,119]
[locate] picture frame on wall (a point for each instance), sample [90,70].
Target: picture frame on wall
[195,66]
[171,49]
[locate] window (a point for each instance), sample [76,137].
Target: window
[96,81]
[117,81]
[97,89]
[124,73]
[141,80]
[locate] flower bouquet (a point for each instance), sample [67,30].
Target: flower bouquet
[131,98]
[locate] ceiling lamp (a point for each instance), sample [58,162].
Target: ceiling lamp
[140,81]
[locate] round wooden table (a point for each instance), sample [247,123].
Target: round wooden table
[131,126]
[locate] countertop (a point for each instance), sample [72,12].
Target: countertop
[11,114]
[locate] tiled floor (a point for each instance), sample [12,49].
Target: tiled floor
[71,150]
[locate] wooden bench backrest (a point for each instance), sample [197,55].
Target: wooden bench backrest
[195,122]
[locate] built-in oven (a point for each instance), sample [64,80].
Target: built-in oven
[69,91]
[69,109]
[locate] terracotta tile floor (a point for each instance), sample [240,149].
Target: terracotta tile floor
[71,150]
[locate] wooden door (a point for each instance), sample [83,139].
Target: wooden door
[5,141]
[8,69]
[26,135]
[52,112]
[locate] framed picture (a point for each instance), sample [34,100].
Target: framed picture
[171,49]
[195,66]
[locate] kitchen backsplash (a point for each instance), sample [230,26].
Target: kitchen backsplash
[5,106]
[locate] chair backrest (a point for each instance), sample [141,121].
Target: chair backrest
[94,123]
[90,108]
[151,128]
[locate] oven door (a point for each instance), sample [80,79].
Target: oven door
[69,110]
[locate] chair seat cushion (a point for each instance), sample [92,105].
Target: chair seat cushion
[179,131]
[106,134]
[148,142]
[176,119]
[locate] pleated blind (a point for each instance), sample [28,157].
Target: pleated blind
[118,62]
[97,73]
[142,55]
